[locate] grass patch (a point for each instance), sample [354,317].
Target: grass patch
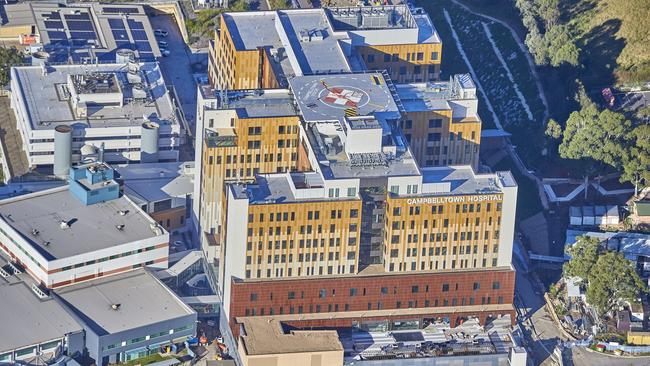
[156,357]
[528,203]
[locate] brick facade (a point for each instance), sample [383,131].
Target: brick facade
[462,292]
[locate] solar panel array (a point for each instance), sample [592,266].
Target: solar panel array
[110,10]
[139,40]
[81,32]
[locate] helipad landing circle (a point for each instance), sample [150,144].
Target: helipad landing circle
[343,97]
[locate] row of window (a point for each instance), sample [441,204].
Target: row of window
[416,210]
[462,263]
[309,271]
[463,249]
[432,123]
[144,338]
[115,256]
[401,225]
[384,290]
[319,230]
[311,215]
[254,131]
[410,56]
[411,304]
[302,243]
[442,237]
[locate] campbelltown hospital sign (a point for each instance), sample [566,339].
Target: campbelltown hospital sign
[454,199]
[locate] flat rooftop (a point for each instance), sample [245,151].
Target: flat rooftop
[27,319]
[151,182]
[255,103]
[93,30]
[142,300]
[332,97]
[48,104]
[266,337]
[37,218]
[312,40]
[335,163]
[463,180]
[276,188]
[431,96]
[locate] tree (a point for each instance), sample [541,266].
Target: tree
[8,57]
[279,4]
[553,129]
[595,137]
[612,279]
[537,46]
[561,48]
[584,254]
[239,5]
[636,161]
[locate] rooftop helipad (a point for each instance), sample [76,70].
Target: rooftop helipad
[331,97]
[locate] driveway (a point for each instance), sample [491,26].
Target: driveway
[540,332]
[176,68]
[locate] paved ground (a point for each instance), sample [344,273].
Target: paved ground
[178,72]
[177,68]
[579,356]
[11,140]
[540,332]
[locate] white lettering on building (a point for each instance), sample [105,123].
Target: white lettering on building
[454,199]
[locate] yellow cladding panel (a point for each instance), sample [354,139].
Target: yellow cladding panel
[442,232]
[405,62]
[437,139]
[303,238]
[263,145]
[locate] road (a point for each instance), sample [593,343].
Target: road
[582,357]
[177,68]
[541,334]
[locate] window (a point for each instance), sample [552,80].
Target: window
[420,56]
[435,123]
[402,70]
[352,191]
[434,55]
[386,58]
[445,287]
[253,297]
[415,289]
[477,286]
[291,295]
[433,137]
[394,190]
[384,290]
[496,285]
[371,58]
[353,292]
[322,294]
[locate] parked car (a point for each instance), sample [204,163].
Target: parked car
[162,44]
[160,33]
[165,52]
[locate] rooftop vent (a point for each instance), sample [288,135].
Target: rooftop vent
[41,293]
[35,232]
[64,224]
[123,212]
[116,307]
[120,227]
[46,243]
